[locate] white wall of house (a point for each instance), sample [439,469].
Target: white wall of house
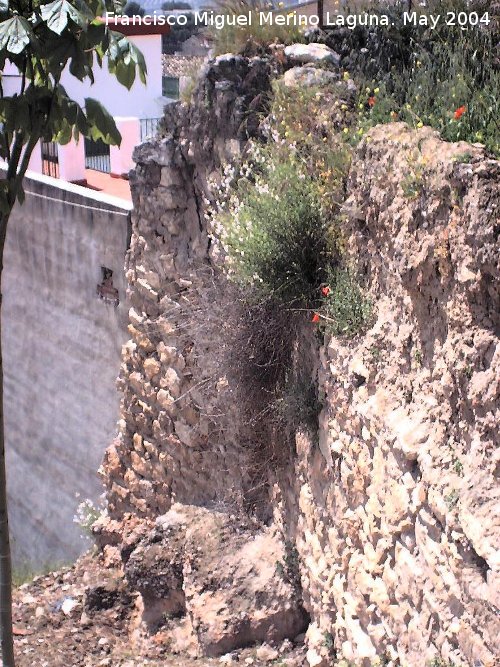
[142,101]
[126,106]
[121,157]
[35,163]
[72,161]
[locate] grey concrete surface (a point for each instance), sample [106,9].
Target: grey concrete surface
[61,346]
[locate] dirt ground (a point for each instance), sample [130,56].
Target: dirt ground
[84,617]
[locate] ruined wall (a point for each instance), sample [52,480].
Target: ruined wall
[170,446]
[61,350]
[398,529]
[393,509]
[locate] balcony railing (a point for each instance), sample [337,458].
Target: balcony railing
[149,128]
[97,156]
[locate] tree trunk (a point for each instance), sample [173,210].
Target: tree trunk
[320,13]
[7,640]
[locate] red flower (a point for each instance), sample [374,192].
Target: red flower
[325,291]
[459,112]
[371,101]
[315,318]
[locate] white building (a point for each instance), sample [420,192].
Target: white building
[136,112]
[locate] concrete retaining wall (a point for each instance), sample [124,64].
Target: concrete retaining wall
[61,357]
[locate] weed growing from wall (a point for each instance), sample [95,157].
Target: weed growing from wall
[276,235]
[277,228]
[87,513]
[345,308]
[278,216]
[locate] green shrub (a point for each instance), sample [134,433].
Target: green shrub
[277,237]
[305,121]
[345,309]
[280,222]
[249,38]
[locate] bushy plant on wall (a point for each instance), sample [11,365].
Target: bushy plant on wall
[276,229]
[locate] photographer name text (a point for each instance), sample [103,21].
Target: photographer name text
[463,20]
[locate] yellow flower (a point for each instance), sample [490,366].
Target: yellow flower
[367,89]
[419,63]
[420,124]
[361,106]
[346,76]
[344,107]
[408,106]
[345,130]
[360,131]
[376,91]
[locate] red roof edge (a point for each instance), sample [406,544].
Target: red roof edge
[137,25]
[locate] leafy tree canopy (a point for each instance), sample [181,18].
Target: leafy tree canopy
[41,39]
[170,5]
[133,9]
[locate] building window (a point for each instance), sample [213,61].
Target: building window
[50,159]
[170,87]
[105,289]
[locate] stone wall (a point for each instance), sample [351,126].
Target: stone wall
[398,528]
[61,350]
[170,445]
[393,513]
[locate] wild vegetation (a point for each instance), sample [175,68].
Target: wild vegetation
[278,216]
[277,223]
[254,36]
[278,219]
[447,78]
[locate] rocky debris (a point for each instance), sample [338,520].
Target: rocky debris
[155,570]
[301,54]
[221,573]
[109,595]
[101,630]
[304,77]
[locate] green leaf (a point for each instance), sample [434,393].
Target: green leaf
[64,135]
[15,34]
[123,58]
[56,15]
[96,34]
[125,74]
[141,63]
[102,124]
